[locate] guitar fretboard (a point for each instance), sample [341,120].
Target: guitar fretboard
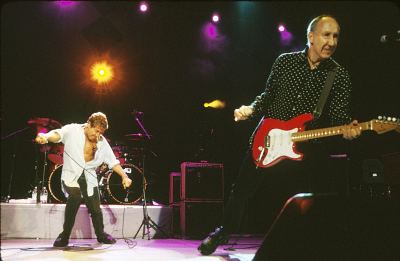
[327,132]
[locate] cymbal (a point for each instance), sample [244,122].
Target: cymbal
[140,135]
[44,124]
[136,136]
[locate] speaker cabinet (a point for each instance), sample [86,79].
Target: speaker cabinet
[331,227]
[202,181]
[174,187]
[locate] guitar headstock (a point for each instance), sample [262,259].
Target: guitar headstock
[384,124]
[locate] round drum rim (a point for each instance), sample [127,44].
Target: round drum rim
[108,184]
[49,184]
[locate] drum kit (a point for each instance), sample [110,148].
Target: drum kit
[131,155]
[132,160]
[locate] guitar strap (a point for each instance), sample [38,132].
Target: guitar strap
[325,92]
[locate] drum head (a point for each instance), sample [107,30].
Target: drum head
[56,193]
[116,192]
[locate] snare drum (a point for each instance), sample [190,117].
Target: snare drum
[116,192]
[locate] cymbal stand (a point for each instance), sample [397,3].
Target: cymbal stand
[147,222]
[44,173]
[14,155]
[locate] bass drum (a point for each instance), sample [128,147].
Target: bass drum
[54,184]
[116,192]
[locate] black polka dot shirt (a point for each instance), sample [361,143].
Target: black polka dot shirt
[293,88]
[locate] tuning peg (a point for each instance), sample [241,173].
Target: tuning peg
[389,118]
[379,117]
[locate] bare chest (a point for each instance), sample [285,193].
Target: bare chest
[89,150]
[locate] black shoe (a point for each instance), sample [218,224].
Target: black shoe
[61,241]
[106,239]
[214,239]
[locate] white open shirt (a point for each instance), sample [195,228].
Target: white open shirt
[73,137]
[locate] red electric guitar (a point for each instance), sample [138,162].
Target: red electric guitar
[275,139]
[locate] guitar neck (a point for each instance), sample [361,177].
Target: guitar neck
[327,132]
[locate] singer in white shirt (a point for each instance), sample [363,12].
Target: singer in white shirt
[85,148]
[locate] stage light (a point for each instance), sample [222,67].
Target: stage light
[66,5]
[216,104]
[210,31]
[143,7]
[215,18]
[286,37]
[101,72]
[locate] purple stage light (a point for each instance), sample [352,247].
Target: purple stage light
[212,40]
[210,31]
[286,38]
[66,4]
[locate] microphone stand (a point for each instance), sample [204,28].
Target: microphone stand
[147,222]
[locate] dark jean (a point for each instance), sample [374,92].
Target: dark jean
[74,201]
[283,180]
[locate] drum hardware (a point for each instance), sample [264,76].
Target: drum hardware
[102,172]
[54,185]
[14,156]
[137,136]
[44,125]
[55,159]
[55,154]
[115,193]
[110,188]
[147,222]
[55,188]
[128,154]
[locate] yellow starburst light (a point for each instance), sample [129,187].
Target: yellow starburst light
[101,72]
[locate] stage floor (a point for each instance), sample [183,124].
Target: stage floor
[45,221]
[126,249]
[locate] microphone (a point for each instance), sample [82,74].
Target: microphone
[391,37]
[136,112]
[126,196]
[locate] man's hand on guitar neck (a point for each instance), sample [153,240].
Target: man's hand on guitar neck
[352,130]
[243,113]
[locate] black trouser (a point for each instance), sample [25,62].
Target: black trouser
[74,201]
[281,181]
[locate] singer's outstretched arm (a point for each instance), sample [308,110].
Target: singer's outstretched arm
[126,181]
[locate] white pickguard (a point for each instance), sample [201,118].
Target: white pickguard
[280,144]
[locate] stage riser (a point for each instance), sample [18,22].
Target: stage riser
[46,220]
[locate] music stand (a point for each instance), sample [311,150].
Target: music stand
[147,222]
